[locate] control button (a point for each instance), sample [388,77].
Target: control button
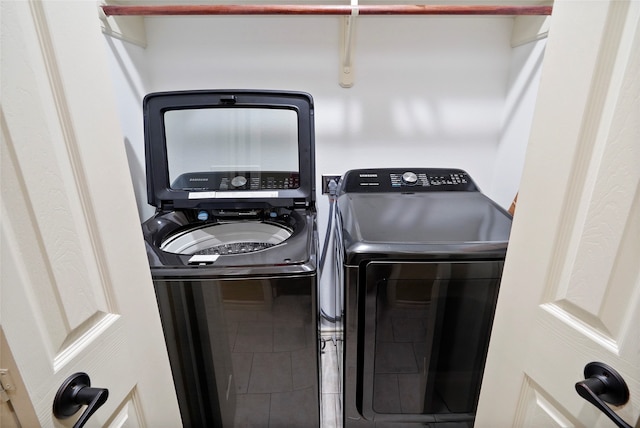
[238,181]
[409,178]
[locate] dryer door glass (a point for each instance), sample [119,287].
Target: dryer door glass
[427,328]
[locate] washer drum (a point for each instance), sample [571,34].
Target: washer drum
[227,238]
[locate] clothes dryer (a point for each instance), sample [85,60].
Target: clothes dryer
[422,252]
[232,249]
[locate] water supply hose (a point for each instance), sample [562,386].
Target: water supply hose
[333,192]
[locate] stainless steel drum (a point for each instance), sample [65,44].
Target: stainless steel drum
[227,238]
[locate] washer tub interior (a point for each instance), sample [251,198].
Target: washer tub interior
[227,238]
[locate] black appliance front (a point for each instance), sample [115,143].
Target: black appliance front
[243,350]
[232,249]
[422,254]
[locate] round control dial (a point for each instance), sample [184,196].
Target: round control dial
[409,178]
[238,181]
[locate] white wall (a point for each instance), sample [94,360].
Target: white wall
[131,83]
[428,92]
[524,79]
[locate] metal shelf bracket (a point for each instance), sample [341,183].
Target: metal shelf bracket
[349,14]
[347,34]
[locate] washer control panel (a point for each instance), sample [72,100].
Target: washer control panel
[237,181]
[407,180]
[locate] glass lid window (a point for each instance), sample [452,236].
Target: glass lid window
[234,148]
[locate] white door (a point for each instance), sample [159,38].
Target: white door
[570,293]
[76,293]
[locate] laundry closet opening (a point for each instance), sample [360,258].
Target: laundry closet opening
[426,91]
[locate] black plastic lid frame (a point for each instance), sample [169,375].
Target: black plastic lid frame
[159,191]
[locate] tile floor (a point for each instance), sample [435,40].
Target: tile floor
[253,408]
[330,402]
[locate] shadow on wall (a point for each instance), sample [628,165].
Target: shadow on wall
[530,73]
[124,55]
[518,115]
[139,181]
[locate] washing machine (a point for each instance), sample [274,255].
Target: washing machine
[422,252]
[232,248]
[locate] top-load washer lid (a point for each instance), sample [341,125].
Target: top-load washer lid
[229,149]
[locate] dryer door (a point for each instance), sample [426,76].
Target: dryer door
[426,333]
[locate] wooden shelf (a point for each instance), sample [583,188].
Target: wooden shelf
[250,9]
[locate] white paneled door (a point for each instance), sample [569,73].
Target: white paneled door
[76,293]
[570,293]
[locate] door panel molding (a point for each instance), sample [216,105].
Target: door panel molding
[76,289]
[67,129]
[570,292]
[537,408]
[586,119]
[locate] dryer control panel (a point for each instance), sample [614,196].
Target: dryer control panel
[391,180]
